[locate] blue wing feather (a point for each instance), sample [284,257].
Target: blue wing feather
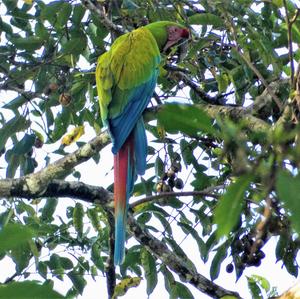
[120,127]
[140,147]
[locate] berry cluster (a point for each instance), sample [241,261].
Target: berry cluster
[246,252]
[170,179]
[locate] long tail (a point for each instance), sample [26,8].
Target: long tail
[124,175]
[129,160]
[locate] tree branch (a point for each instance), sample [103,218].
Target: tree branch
[176,264]
[181,76]
[253,123]
[100,11]
[35,184]
[262,79]
[153,198]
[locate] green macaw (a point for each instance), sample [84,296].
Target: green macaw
[126,76]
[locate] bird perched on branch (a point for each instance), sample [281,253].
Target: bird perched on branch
[126,76]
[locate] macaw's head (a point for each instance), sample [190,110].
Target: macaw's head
[167,34]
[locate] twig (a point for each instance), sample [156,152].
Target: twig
[169,194]
[262,79]
[178,75]
[290,41]
[100,11]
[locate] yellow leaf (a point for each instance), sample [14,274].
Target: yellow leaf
[73,136]
[139,208]
[29,2]
[125,284]
[161,130]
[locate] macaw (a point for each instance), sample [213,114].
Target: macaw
[126,76]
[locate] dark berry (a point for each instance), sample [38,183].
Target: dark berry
[229,268]
[179,183]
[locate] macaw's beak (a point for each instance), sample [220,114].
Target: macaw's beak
[176,35]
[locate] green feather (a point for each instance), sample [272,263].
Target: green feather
[128,64]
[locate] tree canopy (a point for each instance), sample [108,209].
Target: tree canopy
[223,155]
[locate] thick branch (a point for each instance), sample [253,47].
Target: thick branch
[59,188]
[253,123]
[36,184]
[176,264]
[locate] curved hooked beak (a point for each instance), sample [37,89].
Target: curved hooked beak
[182,36]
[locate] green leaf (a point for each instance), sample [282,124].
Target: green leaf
[13,162]
[24,145]
[29,43]
[223,82]
[230,205]
[55,265]
[179,251]
[187,152]
[159,167]
[21,255]
[288,188]
[96,257]
[206,19]
[217,261]
[41,31]
[254,288]
[50,11]
[179,290]
[149,266]
[16,124]
[66,263]
[260,281]
[14,235]
[78,214]
[94,218]
[185,118]
[28,289]
[75,46]
[15,103]
[168,277]
[63,14]
[49,209]
[78,281]
[78,13]
[43,269]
